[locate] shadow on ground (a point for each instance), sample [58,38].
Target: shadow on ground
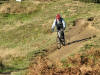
[85,39]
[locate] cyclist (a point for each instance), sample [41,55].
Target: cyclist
[60,25]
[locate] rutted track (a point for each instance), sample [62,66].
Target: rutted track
[76,38]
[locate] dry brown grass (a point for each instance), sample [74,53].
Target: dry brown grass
[14,7]
[83,64]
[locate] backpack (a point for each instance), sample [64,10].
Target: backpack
[59,24]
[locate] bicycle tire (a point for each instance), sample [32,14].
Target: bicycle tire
[58,43]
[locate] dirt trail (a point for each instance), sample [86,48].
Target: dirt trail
[76,38]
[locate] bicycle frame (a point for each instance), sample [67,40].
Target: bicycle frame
[60,40]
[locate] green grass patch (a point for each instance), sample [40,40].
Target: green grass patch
[23,72]
[86,47]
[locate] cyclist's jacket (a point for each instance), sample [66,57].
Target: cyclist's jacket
[59,24]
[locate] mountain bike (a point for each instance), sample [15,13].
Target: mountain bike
[60,38]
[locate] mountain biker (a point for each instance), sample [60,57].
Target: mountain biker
[60,25]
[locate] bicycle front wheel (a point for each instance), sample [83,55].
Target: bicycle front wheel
[58,43]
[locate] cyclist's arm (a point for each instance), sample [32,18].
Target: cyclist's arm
[64,24]
[53,25]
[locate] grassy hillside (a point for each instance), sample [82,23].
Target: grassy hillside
[25,29]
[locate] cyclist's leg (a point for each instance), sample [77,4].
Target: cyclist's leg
[64,42]
[58,34]
[58,40]
[63,37]
[62,34]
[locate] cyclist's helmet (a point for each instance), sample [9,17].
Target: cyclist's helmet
[58,16]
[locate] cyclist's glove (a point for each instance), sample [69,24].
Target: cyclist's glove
[52,30]
[63,28]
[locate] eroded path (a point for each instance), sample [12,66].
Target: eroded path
[76,38]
